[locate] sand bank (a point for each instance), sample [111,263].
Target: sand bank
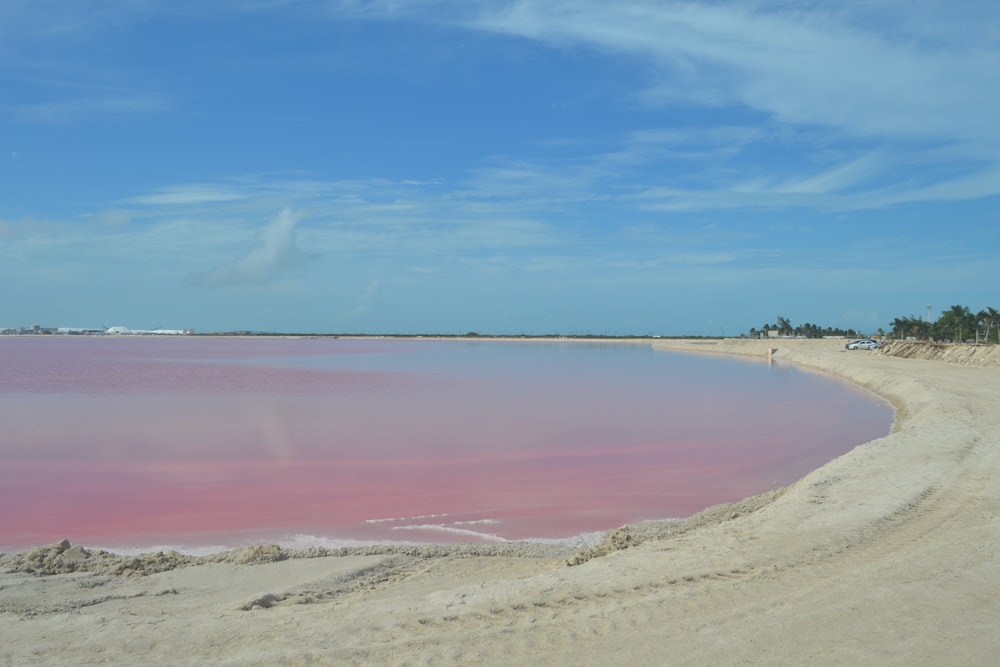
[888,555]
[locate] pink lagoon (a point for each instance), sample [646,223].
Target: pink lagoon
[206,443]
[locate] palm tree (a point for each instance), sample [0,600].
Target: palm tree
[900,327]
[990,318]
[784,326]
[923,327]
[956,323]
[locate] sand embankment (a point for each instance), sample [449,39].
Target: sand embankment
[966,355]
[888,555]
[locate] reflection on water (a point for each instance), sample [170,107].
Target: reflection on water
[193,441]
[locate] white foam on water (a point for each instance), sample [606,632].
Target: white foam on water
[406,518]
[439,527]
[304,541]
[581,541]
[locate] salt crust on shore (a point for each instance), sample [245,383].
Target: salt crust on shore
[888,555]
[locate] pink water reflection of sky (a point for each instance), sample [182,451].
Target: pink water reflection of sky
[149,441]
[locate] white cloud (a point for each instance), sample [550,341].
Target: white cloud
[276,252]
[115,217]
[699,258]
[837,178]
[984,183]
[77,109]
[188,194]
[66,19]
[885,83]
[801,65]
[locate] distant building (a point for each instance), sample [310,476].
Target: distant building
[79,331]
[37,330]
[125,331]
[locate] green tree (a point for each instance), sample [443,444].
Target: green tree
[809,330]
[900,328]
[907,327]
[989,319]
[956,324]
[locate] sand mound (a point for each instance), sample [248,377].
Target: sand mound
[63,558]
[966,355]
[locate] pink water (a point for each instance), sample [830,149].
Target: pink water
[200,443]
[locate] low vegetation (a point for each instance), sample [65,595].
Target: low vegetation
[957,324]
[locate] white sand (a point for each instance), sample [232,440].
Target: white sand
[889,555]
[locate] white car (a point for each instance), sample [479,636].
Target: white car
[864,344]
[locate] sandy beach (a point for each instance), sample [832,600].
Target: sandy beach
[888,555]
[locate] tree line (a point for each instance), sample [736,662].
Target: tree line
[784,327]
[957,324]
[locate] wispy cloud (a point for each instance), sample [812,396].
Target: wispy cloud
[837,178]
[277,251]
[80,109]
[183,195]
[686,143]
[818,67]
[977,185]
[886,82]
[379,218]
[60,20]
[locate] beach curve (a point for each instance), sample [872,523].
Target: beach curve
[885,555]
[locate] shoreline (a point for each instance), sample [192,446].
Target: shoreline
[886,554]
[46,556]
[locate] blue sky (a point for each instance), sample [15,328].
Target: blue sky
[502,167]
